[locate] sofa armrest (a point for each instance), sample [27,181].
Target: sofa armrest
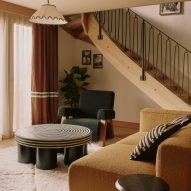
[151,117]
[68,111]
[105,114]
[173,163]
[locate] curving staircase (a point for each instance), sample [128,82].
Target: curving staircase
[74,28]
[151,60]
[158,54]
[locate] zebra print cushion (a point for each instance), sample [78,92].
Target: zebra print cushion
[147,147]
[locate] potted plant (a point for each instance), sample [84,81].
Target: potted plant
[73,83]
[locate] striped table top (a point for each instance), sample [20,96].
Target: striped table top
[53,135]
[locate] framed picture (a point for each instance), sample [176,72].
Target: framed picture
[86,57]
[98,61]
[171,8]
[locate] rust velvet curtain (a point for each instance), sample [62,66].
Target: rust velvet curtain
[45,74]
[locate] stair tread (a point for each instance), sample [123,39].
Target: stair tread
[74,24]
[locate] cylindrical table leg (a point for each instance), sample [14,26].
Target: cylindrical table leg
[26,154]
[74,153]
[46,159]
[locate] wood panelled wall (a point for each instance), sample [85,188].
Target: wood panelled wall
[16,9]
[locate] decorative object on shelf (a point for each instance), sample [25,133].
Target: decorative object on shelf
[73,83]
[98,61]
[49,15]
[171,8]
[86,57]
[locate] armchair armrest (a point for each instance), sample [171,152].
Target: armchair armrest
[105,114]
[173,163]
[68,111]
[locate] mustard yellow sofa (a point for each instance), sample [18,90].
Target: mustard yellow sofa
[99,171]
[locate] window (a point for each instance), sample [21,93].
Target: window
[22,75]
[15,73]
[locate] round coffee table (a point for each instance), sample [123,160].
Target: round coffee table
[39,143]
[141,182]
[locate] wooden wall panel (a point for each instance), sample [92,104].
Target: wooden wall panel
[16,9]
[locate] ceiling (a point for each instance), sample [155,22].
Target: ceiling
[81,6]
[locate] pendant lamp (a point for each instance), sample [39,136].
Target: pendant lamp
[48,15]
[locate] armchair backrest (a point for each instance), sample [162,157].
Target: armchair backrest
[93,100]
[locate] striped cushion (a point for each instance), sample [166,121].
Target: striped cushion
[147,147]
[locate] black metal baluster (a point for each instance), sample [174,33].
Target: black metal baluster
[122,28]
[149,49]
[145,44]
[100,37]
[108,23]
[178,65]
[126,14]
[165,60]
[157,59]
[174,71]
[129,32]
[103,18]
[134,20]
[153,49]
[188,71]
[143,77]
[119,19]
[168,50]
[115,24]
[161,59]
[137,40]
[111,21]
[183,69]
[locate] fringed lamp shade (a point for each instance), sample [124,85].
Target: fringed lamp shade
[49,15]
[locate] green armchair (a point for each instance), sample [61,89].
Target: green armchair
[95,111]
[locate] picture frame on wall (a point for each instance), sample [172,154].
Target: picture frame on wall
[97,61]
[171,8]
[86,57]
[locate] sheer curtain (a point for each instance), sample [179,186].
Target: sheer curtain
[15,73]
[22,75]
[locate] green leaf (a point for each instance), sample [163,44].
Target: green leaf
[73,83]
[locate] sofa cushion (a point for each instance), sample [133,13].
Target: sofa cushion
[99,170]
[184,133]
[147,147]
[132,139]
[152,117]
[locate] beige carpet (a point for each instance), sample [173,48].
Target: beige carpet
[16,176]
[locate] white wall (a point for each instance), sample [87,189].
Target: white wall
[128,99]
[177,27]
[66,58]
[66,52]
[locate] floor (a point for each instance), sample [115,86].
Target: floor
[121,132]
[124,131]
[7,143]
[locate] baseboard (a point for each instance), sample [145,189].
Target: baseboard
[125,124]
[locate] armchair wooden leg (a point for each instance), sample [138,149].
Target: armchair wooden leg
[109,130]
[63,118]
[102,133]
